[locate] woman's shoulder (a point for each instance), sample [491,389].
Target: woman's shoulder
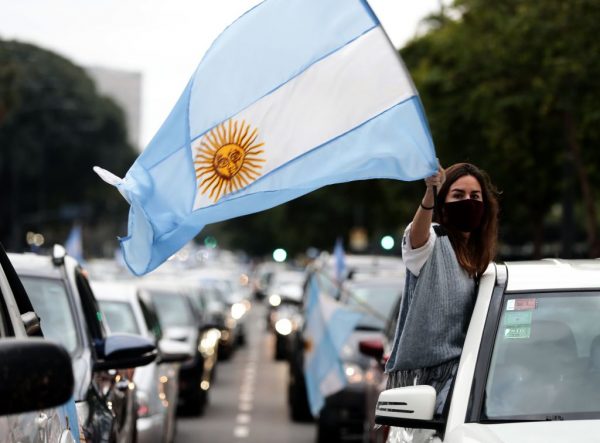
[415,258]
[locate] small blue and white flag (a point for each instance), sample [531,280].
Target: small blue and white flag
[74,243]
[293,96]
[328,326]
[340,260]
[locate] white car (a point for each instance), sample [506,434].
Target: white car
[157,382]
[530,368]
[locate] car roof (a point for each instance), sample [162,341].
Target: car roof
[553,274]
[114,291]
[34,265]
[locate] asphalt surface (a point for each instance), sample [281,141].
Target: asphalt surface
[248,400]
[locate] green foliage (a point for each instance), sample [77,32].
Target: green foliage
[53,128]
[498,85]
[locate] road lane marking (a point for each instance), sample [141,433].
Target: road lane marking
[241,432]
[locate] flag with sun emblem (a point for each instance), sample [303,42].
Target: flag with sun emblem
[293,96]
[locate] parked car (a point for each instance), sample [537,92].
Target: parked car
[156,383]
[261,278]
[530,366]
[69,314]
[286,286]
[235,297]
[182,322]
[36,380]
[344,413]
[285,303]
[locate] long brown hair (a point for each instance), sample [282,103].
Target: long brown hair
[479,250]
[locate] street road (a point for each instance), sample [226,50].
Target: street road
[248,401]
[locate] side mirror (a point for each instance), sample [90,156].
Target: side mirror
[174,351]
[32,324]
[36,374]
[408,407]
[121,351]
[371,348]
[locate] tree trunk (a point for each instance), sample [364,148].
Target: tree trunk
[584,182]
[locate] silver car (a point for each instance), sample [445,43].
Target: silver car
[34,375]
[156,383]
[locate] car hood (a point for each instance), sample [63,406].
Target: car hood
[530,432]
[184,334]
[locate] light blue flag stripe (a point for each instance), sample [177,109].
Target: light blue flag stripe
[281,38]
[395,151]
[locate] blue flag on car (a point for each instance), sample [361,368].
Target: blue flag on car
[328,326]
[293,96]
[74,243]
[340,260]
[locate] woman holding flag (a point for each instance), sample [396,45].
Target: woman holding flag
[446,248]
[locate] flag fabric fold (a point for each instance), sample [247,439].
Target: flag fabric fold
[328,326]
[293,96]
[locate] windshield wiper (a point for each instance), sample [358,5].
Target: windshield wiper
[522,419]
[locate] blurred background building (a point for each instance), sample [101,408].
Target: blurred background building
[125,88]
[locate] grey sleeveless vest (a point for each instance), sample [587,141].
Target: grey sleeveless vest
[435,311]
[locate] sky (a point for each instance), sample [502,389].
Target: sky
[162,40]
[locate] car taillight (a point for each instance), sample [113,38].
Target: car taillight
[143,408]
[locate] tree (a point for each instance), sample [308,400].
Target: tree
[510,85]
[53,128]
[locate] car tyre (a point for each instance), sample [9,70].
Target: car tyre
[280,348]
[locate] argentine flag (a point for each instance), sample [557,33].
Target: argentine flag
[328,326]
[293,96]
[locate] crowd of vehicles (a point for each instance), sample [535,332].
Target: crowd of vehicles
[125,356]
[119,358]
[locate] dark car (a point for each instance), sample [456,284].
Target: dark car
[69,314]
[284,295]
[181,321]
[36,380]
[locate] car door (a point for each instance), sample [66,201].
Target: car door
[113,386]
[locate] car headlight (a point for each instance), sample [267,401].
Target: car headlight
[275,300]
[354,373]
[238,310]
[283,326]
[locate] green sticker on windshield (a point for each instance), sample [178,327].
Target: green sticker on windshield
[517,318]
[517,332]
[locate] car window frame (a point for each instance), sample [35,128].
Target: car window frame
[94,325]
[484,359]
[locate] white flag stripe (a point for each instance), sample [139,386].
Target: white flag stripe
[330,98]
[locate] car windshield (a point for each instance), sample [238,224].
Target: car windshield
[172,309]
[119,316]
[546,357]
[379,299]
[51,303]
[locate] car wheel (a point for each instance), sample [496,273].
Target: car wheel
[280,348]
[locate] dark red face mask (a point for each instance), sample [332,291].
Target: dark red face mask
[464,215]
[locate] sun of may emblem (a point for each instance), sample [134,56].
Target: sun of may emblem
[227,159]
